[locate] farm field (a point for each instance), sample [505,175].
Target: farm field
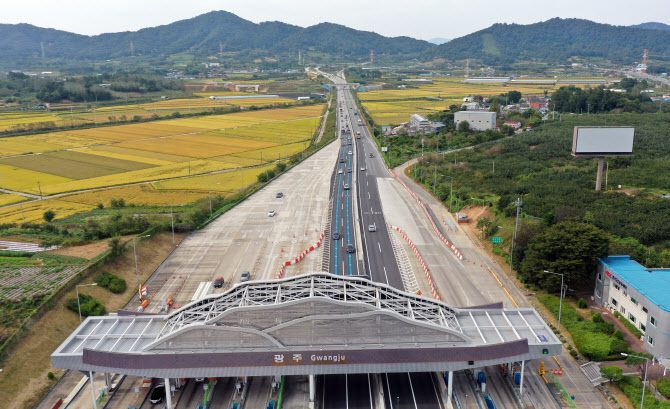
[173,192]
[7,199]
[79,116]
[110,156]
[394,106]
[24,282]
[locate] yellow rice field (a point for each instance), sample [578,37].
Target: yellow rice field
[32,212]
[224,182]
[140,195]
[145,152]
[8,198]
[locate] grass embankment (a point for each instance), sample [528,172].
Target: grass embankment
[593,337]
[23,381]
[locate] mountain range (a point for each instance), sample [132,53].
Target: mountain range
[552,40]
[201,35]
[652,26]
[557,40]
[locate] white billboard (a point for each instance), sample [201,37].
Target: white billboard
[603,141]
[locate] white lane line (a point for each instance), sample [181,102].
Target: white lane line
[380,247]
[346,389]
[412,389]
[437,394]
[388,388]
[372,404]
[386,275]
[369,196]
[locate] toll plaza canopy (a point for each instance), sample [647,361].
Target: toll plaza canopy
[309,324]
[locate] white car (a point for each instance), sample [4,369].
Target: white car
[363,168]
[340,171]
[271,213]
[346,186]
[351,153]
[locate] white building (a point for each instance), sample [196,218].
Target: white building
[417,121]
[640,295]
[478,120]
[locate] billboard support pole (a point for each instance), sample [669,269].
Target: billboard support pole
[599,178]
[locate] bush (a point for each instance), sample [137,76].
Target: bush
[90,307]
[281,166]
[574,354]
[618,335]
[49,215]
[663,386]
[111,282]
[117,202]
[51,376]
[597,318]
[581,303]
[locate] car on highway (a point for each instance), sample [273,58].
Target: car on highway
[350,248]
[372,227]
[346,186]
[280,195]
[340,171]
[245,276]
[363,168]
[218,282]
[351,153]
[158,394]
[341,160]
[271,213]
[372,156]
[336,235]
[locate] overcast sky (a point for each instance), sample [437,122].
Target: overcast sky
[423,19]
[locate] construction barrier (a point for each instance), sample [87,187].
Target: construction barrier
[423,265]
[300,257]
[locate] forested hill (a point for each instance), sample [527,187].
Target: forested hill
[201,36]
[652,26]
[556,40]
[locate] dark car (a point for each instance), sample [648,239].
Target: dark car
[158,394]
[280,195]
[350,248]
[218,282]
[336,235]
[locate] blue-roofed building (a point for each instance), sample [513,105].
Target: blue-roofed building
[640,294]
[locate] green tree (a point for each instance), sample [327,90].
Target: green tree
[513,97]
[637,363]
[464,126]
[571,248]
[611,373]
[49,215]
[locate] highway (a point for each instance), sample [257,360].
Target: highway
[357,171]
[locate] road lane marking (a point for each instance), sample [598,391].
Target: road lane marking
[411,387]
[380,247]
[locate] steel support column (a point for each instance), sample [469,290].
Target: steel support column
[95,398]
[312,388]
[168,393]
[523,364]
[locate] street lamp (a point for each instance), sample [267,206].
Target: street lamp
[560,300]
[137,269]
[451,192]
[644,383]
[79,303]
[210,196]
[172,217]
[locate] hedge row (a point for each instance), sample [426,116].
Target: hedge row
[631,386]
[631,327]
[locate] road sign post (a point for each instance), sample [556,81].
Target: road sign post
[496,240]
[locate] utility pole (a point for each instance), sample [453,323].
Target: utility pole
[40,188]
[518,203]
